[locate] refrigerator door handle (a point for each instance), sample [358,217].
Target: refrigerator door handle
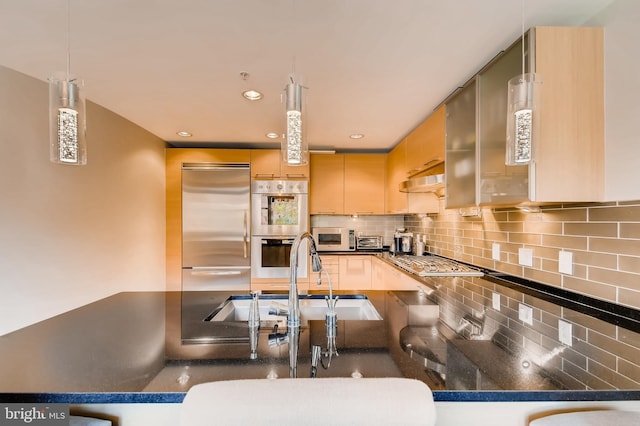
[245,235]
[204,270]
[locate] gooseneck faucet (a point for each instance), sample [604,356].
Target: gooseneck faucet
[316,266]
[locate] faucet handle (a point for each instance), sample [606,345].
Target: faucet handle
[278,309]
[331,303]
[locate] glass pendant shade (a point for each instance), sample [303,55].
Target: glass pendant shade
[522,118]
[294,147]
[66,120]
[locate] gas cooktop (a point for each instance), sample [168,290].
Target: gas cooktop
[434,266]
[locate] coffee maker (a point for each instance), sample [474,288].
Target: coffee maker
[402,242]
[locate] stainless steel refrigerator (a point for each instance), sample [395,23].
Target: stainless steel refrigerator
[216,222]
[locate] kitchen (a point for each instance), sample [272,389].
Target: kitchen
[88,224]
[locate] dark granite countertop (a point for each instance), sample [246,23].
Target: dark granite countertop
[152,346]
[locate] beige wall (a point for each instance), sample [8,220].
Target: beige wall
[71,235]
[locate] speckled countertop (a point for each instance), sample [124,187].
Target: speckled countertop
[129,348]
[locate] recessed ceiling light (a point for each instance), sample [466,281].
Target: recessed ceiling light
[272,135]
[356,136]
[252,95]
[184,134]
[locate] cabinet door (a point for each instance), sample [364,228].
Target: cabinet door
[435,136]
[498,183]
[364,184]
[425,145]
[330,274]
[569,157]
[267,164]
[388,277]
[378,267]
[460,162]
[326,184]
[395,201]
[355,272]
[293,172]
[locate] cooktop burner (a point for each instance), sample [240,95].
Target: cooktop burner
[434,266]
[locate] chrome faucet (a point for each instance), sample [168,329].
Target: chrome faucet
[316,266]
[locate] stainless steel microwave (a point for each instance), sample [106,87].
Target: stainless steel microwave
[334,239]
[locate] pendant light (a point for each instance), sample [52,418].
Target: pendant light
[294,145]
[523,93]
[67,113]
[294,148]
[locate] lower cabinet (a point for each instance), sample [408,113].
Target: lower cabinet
[387,277]
[355,272]
[347,272]
[331,272]
[277,284]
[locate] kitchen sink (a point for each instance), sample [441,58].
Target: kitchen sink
[312,307]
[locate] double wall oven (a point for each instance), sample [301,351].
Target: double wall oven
[279,213]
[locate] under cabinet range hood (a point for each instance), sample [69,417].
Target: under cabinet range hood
[430,183]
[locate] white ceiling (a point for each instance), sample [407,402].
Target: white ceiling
[377,67]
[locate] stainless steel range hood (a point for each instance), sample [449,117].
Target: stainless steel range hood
[430,183]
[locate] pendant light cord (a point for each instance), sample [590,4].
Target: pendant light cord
[522,28]
[68,39]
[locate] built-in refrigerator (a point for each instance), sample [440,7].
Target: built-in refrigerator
[216,253]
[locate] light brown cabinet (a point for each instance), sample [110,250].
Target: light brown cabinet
[395,168]
[568,160]
[355,272]
[364,184]
[268,164]
[330,273]
[425,144]
[347,184]
[387,277]
[326,184]
[421,153]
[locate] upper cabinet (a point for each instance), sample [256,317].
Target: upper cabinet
[395,168]
[421,153]
[347,184]
[460,163]
[268,164]
[425,144]
[326,184]
[364,183]
[568,163]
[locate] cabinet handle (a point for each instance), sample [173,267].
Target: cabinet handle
[437,160]
[294,175]
[265,175]
[326,212]
[426,166]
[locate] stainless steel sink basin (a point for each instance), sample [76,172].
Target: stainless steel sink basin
[313,307]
